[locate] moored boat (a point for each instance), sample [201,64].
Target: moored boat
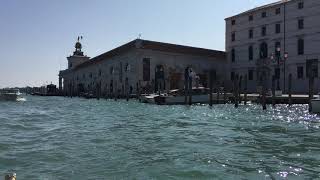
[9,94]
[148,98]
[177,96]
[315,104]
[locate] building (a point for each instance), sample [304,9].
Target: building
[274,41]
[140,64]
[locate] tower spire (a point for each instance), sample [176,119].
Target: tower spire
[78,48]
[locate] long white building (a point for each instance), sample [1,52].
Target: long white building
[273,41]
[147,65]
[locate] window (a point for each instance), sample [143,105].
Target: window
[264,14]
[146,69]
[300,72]
[278,11]
[276,46]
[278,28]
[250,75]
[263,50]
[250,33]
[127,67]
[264,31]
[100,72]
[232,76]
[312,67]
[111,70]
[233,36]
[250,51]
[90,75]
[250,17]
[300,5]
[233,22]
[233,55]
[301,24]
[300,46]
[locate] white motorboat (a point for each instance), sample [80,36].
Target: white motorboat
[10,95]
[148,98]
[177,96]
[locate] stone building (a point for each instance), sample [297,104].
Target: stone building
[273,41]
[148,65]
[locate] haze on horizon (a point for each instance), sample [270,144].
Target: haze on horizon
[37,35]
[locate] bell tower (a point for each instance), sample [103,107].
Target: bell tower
[78,57]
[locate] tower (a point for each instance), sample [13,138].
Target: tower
[78,57]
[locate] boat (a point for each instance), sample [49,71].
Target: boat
[315,104]
[148,98]
[10,94]
[177,96]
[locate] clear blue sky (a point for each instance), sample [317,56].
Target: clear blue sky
[36,36]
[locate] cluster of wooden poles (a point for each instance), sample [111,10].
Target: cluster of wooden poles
[237,90]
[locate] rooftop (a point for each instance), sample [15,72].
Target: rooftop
[261,7]
[156,46]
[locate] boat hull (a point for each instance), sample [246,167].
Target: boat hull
[173,100]
[9,97]
[315,103]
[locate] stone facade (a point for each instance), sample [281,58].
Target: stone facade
[146,64]
[288,31]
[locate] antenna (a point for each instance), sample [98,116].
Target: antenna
[139,37]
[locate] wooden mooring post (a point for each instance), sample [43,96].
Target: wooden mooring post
[224,94]
[245,89]
[311,86]
[186,89]
[211,87]
[264,103]
[273,84]
[218,94]
[138,91]
[290,90]
[239,90]
[190,91]
[127,92]
[236,91]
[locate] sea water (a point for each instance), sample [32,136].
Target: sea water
[50,138]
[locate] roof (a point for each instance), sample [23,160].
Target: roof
[156,46]
[261,7]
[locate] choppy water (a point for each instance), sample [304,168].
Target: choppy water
[62,138]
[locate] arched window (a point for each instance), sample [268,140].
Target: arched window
[111,70]
[264,50]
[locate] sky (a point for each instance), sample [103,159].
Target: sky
[36,36]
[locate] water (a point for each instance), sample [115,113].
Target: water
[61,138]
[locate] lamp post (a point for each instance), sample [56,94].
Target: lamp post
[284,70]
[280,60]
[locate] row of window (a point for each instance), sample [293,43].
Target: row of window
[127,68]
[300,5]
[300,73]
[263,50]
[264,30]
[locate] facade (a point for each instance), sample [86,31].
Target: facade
[274,41]
[140,64]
